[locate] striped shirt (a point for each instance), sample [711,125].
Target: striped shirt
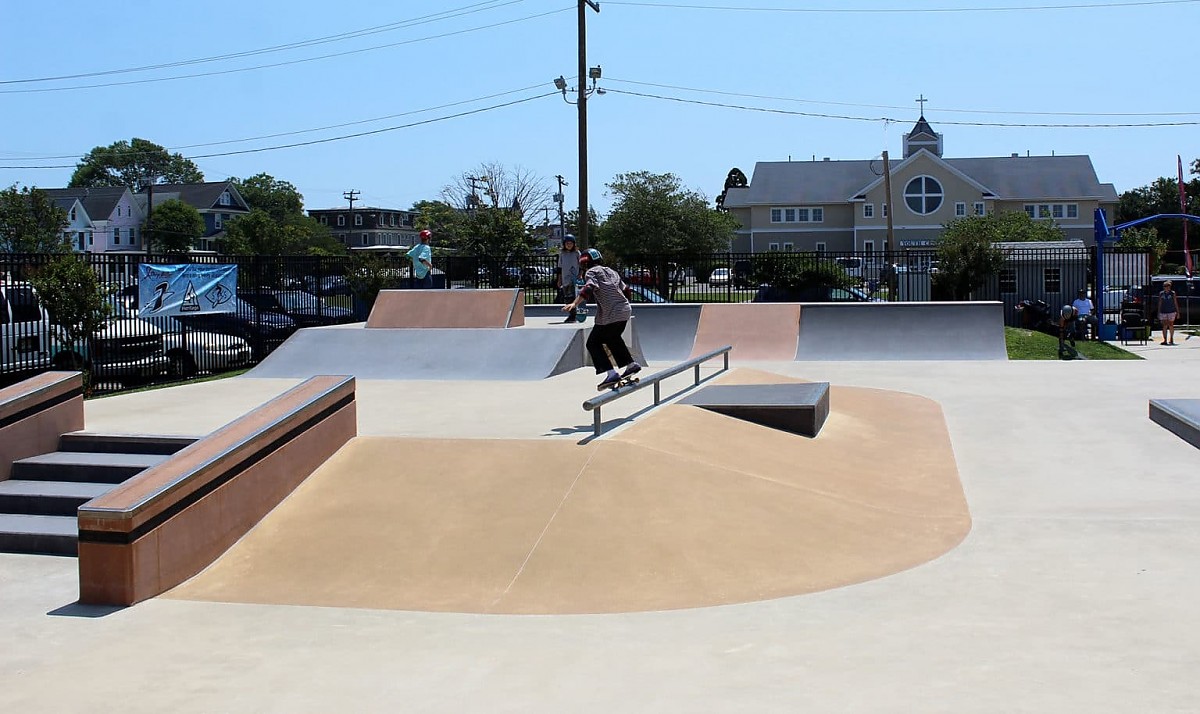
[603,286]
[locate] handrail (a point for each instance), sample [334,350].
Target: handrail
[594,404]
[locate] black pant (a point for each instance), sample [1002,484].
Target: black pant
[608,336]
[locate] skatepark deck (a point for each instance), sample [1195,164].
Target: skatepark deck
[902,331]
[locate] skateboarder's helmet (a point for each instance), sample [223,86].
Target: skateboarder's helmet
[425,234]
[591,255]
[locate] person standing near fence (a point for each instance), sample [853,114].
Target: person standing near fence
[568,272]
[1168,309]
[603,286]
[421,256]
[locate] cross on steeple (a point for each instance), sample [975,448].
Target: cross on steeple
[921,100]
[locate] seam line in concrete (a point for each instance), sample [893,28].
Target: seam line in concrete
[546,528]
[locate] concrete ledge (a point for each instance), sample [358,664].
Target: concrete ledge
[799,408]
[171,521]
[35,413]
[1181,417]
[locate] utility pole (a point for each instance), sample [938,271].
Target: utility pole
[584,214]
[473,199]
[350,196]
[558,197]
[887,189]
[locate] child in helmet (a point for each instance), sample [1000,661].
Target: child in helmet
[603,286]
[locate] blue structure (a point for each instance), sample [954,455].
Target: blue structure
[1103,233]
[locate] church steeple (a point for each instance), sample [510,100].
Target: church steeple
[922,135]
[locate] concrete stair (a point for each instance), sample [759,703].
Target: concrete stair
[39,501]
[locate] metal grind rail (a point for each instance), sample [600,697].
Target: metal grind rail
[593,405]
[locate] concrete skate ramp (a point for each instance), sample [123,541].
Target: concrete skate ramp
[667,332]
[662,515]
[503,307]
[757,331]
[902,331]
[453,354]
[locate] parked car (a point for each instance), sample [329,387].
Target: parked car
[638,276]
[852,266]
[720,276]
[125,349]
[263,330]
[1144,299]
[536,276]
[767,293]
[327,285]
[306,309]
[186,350]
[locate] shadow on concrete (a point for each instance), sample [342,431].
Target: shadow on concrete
[80,610]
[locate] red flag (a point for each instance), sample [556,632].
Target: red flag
[1187,255]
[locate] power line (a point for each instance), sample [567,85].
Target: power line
[890,106]
[327,140]
[352,34]
[290,62]
[872,11]
[845,117]
[291,133]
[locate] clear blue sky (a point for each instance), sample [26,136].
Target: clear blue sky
[1110,63]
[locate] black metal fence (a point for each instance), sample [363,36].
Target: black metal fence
[278,295]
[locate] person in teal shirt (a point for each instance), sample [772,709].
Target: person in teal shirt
[421,256]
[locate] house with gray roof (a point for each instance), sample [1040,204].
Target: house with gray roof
[825,205]
[217,201]
[107,219]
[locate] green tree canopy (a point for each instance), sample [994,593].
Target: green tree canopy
[174,227]
[1145,237]
[258,233]
[280,199]
[134,164]
[654,214]
[31,223]
[447,222]
[74,297]
[1162,196]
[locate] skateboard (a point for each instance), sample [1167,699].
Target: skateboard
[623,382]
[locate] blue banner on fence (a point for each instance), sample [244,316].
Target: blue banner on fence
[186,289]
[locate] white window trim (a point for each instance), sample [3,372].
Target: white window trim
[810,213]
[960,209]
[1034,210]
[773,247]
[789,247]
[358,221]
[980,208]
[341,220]
[820,247]
[868,210]
[941,195]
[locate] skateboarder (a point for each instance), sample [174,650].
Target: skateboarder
[568,272]
[604,287]
[421,256]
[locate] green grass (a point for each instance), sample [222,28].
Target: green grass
[1027,344]
[165,385]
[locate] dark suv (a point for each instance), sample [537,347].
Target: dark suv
[306,309]
[1145,298]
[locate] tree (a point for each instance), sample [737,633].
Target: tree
[572,221]
[967,252]
[75,299]
[280,199]
[31,223]
[496,233]
[654,214]
[134,164]
[494,185]
[258,233]
[174,227]
[1145,238]
[447,222]
[1161,196]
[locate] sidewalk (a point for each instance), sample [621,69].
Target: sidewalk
[1186,347]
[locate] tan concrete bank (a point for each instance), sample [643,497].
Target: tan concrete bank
[684,509]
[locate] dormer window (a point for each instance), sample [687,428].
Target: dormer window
[225,199]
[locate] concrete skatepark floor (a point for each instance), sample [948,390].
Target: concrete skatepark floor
[1074,590]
